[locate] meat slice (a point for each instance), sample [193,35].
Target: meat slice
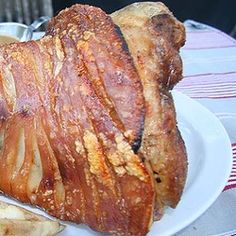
[154,37]
[71,107]
[94,35]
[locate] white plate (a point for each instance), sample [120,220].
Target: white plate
[210,162]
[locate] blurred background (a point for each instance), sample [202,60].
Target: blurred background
[217,13]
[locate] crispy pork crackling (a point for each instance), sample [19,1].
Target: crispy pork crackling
[88,128]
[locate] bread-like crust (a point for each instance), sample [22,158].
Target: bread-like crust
[154,37]
[67,101]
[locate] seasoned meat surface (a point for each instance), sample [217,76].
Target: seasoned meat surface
[154,37]
[71,107]
[95,37]
[87,121]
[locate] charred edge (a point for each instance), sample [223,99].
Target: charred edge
[167,24]
[137,142]
[157,177]
[124,44]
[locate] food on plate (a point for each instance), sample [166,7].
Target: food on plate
[88,128]
[17,221]
[154,38]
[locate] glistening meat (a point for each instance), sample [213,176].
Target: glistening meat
[88,127]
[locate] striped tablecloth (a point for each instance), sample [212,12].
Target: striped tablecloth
[209,59]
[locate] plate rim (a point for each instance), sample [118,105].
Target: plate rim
[182,225]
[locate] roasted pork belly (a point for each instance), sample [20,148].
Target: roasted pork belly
[87,123]
[154,38]
[71,107]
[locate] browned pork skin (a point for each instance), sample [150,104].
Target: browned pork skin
[154,38]
[71,105]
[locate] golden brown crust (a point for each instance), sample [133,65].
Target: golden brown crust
[72,106]
[64,145]
[154,37]
[97,39]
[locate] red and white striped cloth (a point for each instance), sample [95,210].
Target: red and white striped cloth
[232,179]
[209,60]
[210,85]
